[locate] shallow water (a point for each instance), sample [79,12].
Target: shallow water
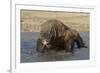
[29,54]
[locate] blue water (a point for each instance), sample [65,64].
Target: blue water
[29,54]
[28,40]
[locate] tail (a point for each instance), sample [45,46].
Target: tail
[80,43]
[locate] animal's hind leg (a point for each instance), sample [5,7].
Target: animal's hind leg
[78,44]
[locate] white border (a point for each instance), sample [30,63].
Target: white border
[27,67]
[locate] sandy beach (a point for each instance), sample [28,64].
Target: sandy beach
[31,20]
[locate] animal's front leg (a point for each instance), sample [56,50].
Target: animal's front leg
[38,46]
[72,46]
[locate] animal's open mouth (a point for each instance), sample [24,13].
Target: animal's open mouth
[45,46]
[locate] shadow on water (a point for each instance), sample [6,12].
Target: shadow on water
[29,54]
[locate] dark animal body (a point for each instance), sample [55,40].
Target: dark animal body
[55,35]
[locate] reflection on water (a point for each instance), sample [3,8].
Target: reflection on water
[29,54]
